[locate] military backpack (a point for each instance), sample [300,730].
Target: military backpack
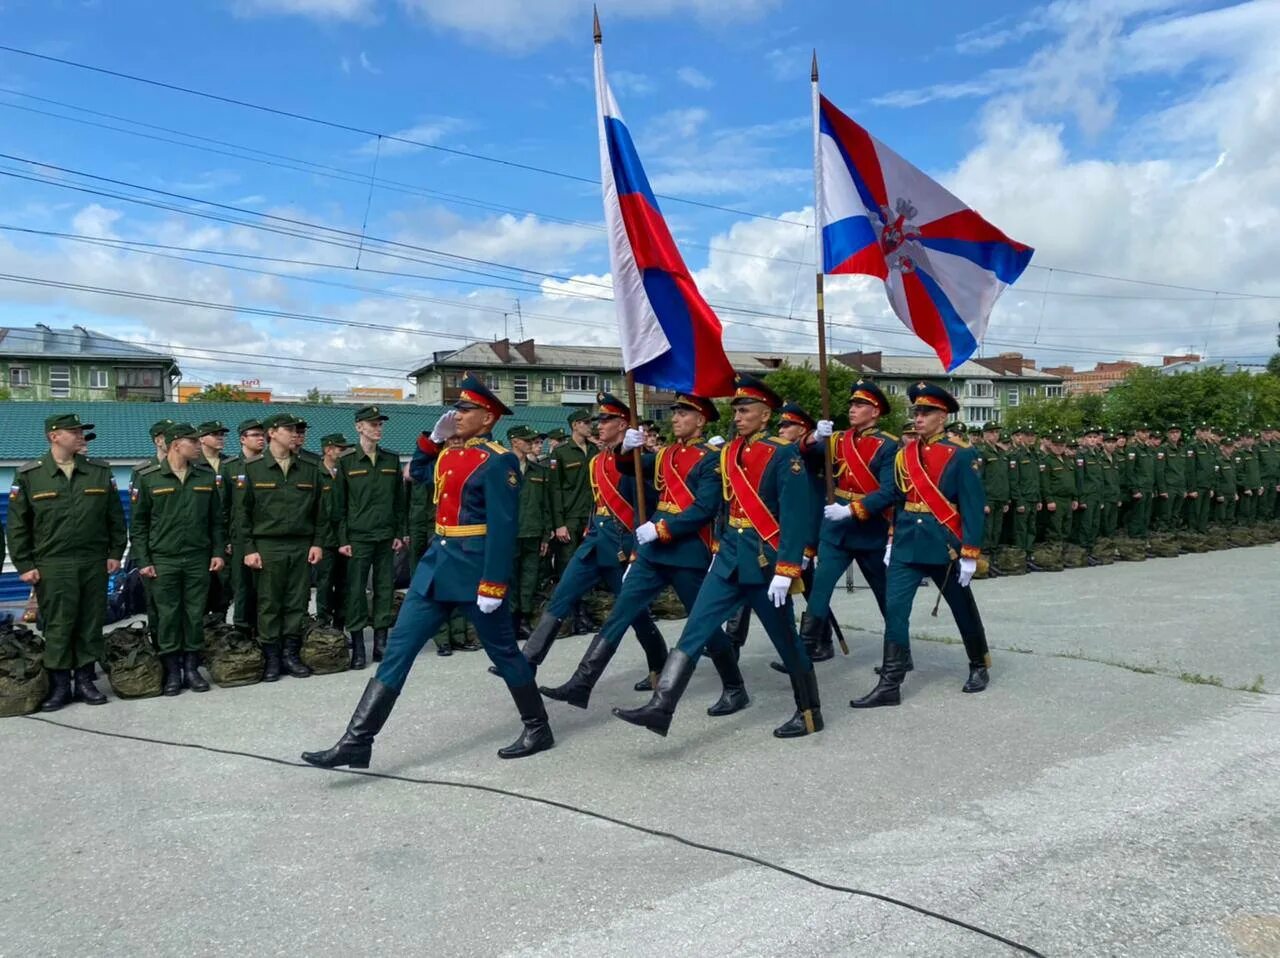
[23,681]
[232,656]
[324,650]
[131,663]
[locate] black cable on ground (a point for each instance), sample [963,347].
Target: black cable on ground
[577,810]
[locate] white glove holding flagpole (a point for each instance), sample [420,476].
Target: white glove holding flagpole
[825,428]
[633,439]
[779,589]
[837,512]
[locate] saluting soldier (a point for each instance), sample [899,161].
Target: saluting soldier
[476,488]
[606,548]
[213,440]
[178,540]
[244,582]
[331,572]
[937,534]
[855,528]
[533,538]
[66,535]
[672,551]
[995,481]
[572,500]
[766,489]
[279,518]
[369,508]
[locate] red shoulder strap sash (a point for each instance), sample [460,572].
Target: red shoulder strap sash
[742,488]
[604,481]
[677,490]
[942,508]
[859,469]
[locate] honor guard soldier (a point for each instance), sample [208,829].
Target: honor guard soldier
[331,573]
[178,541]
[369,509]
[244,582]
[66,535]
[279,518]
[937,534]
[766,489]
[794,425]
[533,538]
[476,489]
[855,528]
[605,550]
[213,440]
[672,551]
[571,499]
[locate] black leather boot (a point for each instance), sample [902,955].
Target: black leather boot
[356,744]
[271,662]
[582,623]
[808,717]
[910,667]
[655,715]
[60,695]
[888,690]
[733,698]
[655,650]
[812,631]
[540,641]
[824,648]
[292,664]
[978,678]
[172,681]
[358,660]
[536,736]
[86,691]
[577,691]
[191,672]
[521,624]
[738,625]
[379,644]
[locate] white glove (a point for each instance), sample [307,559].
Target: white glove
[716,441]
[837,512]
[805,562]
[488,604]
[825,428]
[633,439]
[647,532]
[967,568]
[779,589]
[445,427]
[888,551]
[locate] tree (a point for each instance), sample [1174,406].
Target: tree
[802,384]
[316,398]
[5,395]
[222,392]
[1273,364]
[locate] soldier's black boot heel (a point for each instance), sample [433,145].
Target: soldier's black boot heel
[733,697]
[59,691]
[655,650]
[379,644]
[910,666]
[577,691]
[812,632]
[86,691]
[655,715]
[539,642]
[978,678]
[888,690]
[172,683]
[358,660]
[536,736]
[738,625]
[293,664]
[808,716]
[356,745]
[271,662]
[191,676]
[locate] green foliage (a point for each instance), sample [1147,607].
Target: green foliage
[5,394]
[222,392]
[316,398]
[801,384]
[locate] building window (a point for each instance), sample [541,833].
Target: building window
[579,383]
[980,390]
[548,384]
[891,389]
[19,376]
[97,379]
[978,414]
[142,382]
[451,380]
[60,382]
[491,381]
[1053,392]
[1013,397]
[1031,392]
[520,390]
[606,385]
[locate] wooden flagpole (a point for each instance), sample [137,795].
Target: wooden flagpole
[822,321]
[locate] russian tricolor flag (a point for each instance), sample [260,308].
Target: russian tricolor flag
[670,337]
[943,265]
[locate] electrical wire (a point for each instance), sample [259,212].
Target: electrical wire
[572,809]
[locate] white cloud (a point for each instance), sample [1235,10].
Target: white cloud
[367,65]
[791,63]
[628,82]
[695,78]
[429,132]
[317,9]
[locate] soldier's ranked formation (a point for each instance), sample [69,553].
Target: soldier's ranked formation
[732,528]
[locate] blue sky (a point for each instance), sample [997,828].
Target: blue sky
[1125,138]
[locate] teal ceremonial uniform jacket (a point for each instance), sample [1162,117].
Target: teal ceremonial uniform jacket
[919,537]
[608,540]
[476,490]
[869,527]
[779,477]
[680,541]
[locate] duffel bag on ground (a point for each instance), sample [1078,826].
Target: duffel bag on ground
[1163,546]
[325,649]
[1048,556]
[1131,550]
[1010,560]
[1074,556]
[232,657]
[131,663]
[23,680]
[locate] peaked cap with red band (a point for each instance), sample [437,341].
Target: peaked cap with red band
[697,404]
[929,396]
[868,392]
[473,394]
[794,413]
[750,389]
[611,405]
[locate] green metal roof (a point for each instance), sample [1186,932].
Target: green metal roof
[122,426]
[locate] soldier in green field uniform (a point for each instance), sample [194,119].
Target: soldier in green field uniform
[1249,479]
[572,500]
[1090,481]
[1115,471]
[1058,486]
[1201,480]
[156,432]
[66,535]
[1139,483]
[1226,496]
[1172,495]
[1269,467]
[994,464]
[213,439]
[533,536]
[279,519]
[331,573]
[244,584]
[369,509]
[1024,488]
[177,538]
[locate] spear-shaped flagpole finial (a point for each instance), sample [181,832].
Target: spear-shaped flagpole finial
[595,25]
[813,72]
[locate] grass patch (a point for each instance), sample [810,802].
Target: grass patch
[1255,687]
[1195,678]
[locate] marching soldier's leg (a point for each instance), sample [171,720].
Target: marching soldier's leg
[168,590]
[720,649]
[499,641]
[57,596]
[646,630]
[901,583]
[964,607]
[196,574]
[738,625]
[577,579]
[780,623]
[814,621]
